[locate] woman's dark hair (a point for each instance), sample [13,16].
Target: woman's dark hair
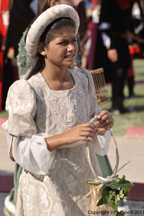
[50,33]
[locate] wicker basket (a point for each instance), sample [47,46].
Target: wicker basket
[100,86]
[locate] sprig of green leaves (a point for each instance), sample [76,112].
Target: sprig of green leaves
[113,192]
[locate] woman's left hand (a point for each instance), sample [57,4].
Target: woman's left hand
[104,122]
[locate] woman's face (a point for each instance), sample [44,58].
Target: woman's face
[62,50]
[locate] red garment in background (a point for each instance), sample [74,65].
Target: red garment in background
[123,4]
[135,53]
[130,70]
[4,8]
[80,8]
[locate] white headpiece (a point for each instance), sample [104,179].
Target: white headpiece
[40,24]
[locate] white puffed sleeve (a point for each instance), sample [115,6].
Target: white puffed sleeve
[101,143]
[21,107]
[29,148]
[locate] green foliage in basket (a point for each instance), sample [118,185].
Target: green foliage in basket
[113,192]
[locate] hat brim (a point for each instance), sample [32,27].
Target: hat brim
[40,24]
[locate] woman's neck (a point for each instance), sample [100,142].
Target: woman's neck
[58,78]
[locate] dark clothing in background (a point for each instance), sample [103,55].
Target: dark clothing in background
[97,49]
[114,24]
[119,20]
[116,18]
[83,21]
[20,17]
[80,8]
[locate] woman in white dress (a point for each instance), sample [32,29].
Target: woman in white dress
[48,126]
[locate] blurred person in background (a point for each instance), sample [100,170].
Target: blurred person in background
[21,14]
[135,39]
[115,19]
[79,6]
[96,45]
[4,22]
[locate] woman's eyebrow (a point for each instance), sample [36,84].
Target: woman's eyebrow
[64,39]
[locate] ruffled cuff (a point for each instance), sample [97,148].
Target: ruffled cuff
[32,154]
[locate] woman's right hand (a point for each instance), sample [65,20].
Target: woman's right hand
[81,132]
[112,55]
